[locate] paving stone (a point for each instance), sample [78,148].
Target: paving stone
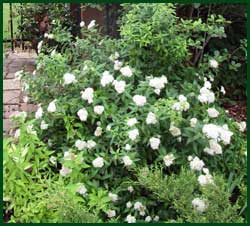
[9,109]
[15,68]
[11,96]
[9,76]
[28,107]
[11,84]
[7,125]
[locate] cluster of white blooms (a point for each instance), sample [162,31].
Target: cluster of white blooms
[82,190]
[242,126]
[65,171]
[119,86]
[68,155]
[127,147]
[193,122]
[169,159]
[151,118]
[81,144]
[98,162]
[98,109]
[129,204]
[199,205]
[148,219]
[154,143]
[91,24]
[196,163]
[111,213]
[206,95]
[88,94]
[218,133]
[82,114]
[39,113]
[205,178]
[158,83]
[130,219]
[212,113]
[30,130]
[130,189]
[113,197]
[139,100]
[98,131]
[19,74]
[213,63]
[82,24]
[131,122]
[140,207]
[214,148]
[43,125]
[126,71]
[69,78]
[17,133]
[133,134]
[182,105]
[175,131]
[52,106]
[50,36]
[127,161]
[107,78]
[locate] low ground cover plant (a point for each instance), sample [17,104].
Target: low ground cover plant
[127,130]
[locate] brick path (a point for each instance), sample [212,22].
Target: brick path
[12,95]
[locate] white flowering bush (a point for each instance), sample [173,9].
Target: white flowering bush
[103,118]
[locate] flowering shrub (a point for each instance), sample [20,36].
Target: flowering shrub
[105,120]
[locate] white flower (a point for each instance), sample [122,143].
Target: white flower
[213,63]
[39,113]
[131,122]
[50,36]
[107,78]
[212,113]
[141,208]
[190,158]
[19,74]
[69,78]
[139,100]
[117,65]
[127,161]
[82,190]
[98,109]
[132,134]
[130,189]
[88,94]
[222,89]
[169,159]
[113,197]
[214,148]
[82,114]
[154,143]
[82,24]
[52,159]
[151,118]
[98,131]
[111,213]
[126,71]
[127,147]
[43,125]
[91,24]
[196,164]
[129,204]
[242,126]
[98,162]
[17,133]
[199,205]
[53,53]
[130,219]
[52,106]
[158,83]
[119,86]
[39,46]
[108,128]
[182,105]
[65,171]
[80,145]
[69,155]
[182,98]
[30,130]
[91,144]
[175,131]
[207,84]
[156,218]
[193,122]
[46,35]
[206,96]
[205,179]
[148,219]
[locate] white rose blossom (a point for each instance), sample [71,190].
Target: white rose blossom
[82,114]
[139,100]
[213,63]
[98,109]
[82,24]
[80,144]
[212,113]
[39,113]
[154,143]
[52,106]
[151,118]
[107,78]
[43,125]
[111,213]
[126,71]
[196,164]
[119,86]
[193,122]
[98,131]
[130,219]
[91,24]
[131,122]
[65,171]
[113,197]
[88,94]
[169,159]
[199,205]
[133,134]
[127,161]
[98,162]
[69,78]
[175,131]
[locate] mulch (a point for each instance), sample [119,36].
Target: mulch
[237,111]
